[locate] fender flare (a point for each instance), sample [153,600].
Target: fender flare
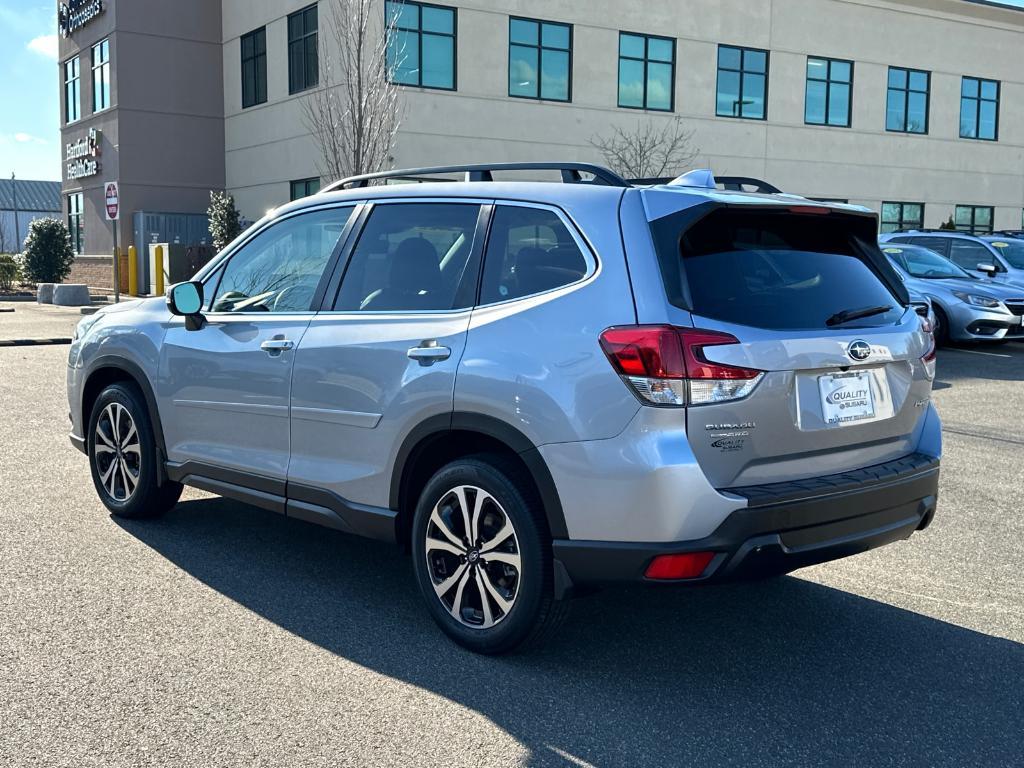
[494,428]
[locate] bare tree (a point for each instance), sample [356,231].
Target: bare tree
[648,151]
[354,114]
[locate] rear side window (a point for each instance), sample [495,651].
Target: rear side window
[781,271]
[969,254]
[938,244]
[412,257]
[529,251]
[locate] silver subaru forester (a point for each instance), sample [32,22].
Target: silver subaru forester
[534,387]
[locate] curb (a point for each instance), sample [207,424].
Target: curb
[32,342]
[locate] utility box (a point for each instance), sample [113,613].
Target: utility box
[180,263]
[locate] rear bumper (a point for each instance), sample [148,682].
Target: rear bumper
[785,526]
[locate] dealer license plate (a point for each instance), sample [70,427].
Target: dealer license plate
[846,397]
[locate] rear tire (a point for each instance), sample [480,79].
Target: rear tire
[123,455]
[941,327]
[489,586]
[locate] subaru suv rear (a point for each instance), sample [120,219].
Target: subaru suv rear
[536,388]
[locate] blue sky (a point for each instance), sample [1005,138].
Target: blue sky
[30,93]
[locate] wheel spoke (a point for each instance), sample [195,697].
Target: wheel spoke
[478,505]
[435,518]
[103,436]
[443,587]
[498,538]
[460,494]
[485,604]
[130,435]
[115,421]
[456,609]
[131,478]
[509,558]
[503,603]
[445,546]
[103,448]
[107,478]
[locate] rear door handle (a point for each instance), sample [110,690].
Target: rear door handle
[429,352]
[276,346]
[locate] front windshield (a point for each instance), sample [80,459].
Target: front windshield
[920,262]
[1011,250]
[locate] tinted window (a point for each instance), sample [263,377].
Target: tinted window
[539,54]
[923,263]
[279,269]
[938,244]
[412,257]
[829,92]
[742,82]
[529,251]
[780,271]
[906,106]
[1012,251]
[421,44]
[646,72]
[969,254]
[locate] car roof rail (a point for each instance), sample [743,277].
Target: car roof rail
[1009,233]
[571,173]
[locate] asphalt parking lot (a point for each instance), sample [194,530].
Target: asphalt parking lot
[224,635]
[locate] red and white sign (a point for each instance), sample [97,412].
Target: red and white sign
[113,206]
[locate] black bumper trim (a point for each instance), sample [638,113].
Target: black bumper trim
[785,533]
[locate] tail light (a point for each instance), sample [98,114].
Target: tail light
[666,365]
[928,358]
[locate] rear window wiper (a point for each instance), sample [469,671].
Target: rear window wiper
[856,314]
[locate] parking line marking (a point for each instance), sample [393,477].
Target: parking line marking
[978,352]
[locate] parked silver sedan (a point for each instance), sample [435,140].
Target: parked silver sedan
[966,308]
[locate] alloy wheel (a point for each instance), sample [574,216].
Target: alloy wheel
[473,557]
[117,452]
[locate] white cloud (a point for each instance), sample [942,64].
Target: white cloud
[45,45]
[28,138]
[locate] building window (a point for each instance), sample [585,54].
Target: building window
[979,109]
[742,83]
[254,68]
[647,72]
[899,217]
[75,226]
[906,107]
[539,59]
[421,44]
[101,76]
[72,90]
[304,188]
[976,219]
[303,63]
[829,92]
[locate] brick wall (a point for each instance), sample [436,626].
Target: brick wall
[94,271]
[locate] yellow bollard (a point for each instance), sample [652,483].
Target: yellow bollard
[158,267]
[133,271]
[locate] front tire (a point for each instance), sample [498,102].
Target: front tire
[123,455]
[482,556]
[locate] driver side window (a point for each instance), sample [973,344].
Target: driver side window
[280,268]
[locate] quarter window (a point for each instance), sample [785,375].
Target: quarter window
[897,217]
[280,268]
[303,62]
[906,108]
[539,59]
[101,76]
[304,188]
[647,72]
[75,222]
[254,68]
[979,109]
[529,251]
[742,83]
[829,92]
[976,219]
[72,90]
[413,257]
[421,44]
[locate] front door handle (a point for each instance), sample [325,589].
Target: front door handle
[276,346]
[429,352]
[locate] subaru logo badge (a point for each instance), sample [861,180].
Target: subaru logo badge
[859,350]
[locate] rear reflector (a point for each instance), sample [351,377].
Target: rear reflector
[666,365]
[688,565]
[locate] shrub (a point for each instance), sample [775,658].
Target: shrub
[950,224]
[10,272]
[48,254]
[225,223]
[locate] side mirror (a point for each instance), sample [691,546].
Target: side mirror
[988,269]
[186,299]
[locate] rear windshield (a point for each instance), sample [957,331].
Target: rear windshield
[782,271]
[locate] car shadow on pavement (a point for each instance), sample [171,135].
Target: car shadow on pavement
[993,362]
[778,672]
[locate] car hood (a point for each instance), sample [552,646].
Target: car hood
[965,285]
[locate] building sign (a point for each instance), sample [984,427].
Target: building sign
[83,156]
[75,14]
